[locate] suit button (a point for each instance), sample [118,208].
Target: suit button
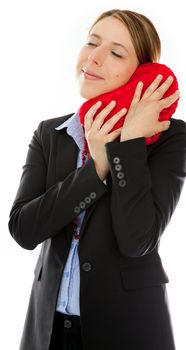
[67,323]
[118,167]
[93,195]
[82,205]
[116,160]
[120,175]
[87,200]
[77,209]
[86,267]
[122,183]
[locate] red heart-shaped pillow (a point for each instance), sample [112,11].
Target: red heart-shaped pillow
[123,95]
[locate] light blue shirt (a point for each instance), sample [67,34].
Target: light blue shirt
[68,297]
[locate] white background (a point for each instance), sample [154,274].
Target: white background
[39,43]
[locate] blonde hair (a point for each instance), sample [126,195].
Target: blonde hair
[144,36]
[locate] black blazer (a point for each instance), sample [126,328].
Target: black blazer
[123,297]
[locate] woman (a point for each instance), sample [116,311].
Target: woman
[99,281]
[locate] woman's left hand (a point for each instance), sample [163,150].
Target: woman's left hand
[143,114]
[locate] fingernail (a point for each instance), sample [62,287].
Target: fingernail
[113,102]
[140,84]
[170,77]
[123,110]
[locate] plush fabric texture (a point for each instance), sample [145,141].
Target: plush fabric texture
[123,95]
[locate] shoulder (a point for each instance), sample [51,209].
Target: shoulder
[47,126]
[177,131]
[178,125]
[170,149]
[45,134]
[176,134]
[174,137]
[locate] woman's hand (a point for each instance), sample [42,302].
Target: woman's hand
[143,114]
[97,134]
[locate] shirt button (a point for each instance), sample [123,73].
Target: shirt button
[86,267]
[67,324]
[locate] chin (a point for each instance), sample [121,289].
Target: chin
[88,94]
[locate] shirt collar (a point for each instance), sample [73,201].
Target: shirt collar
[74,129]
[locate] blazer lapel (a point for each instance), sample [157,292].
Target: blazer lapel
[66,162]
[66,155]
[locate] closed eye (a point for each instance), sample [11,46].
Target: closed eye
[91,44]
[114,53]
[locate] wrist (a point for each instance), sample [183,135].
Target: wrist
[102,174]
[129,136]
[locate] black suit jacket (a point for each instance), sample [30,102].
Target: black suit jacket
[123,298]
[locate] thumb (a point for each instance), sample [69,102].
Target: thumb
[114,134]
[165,125]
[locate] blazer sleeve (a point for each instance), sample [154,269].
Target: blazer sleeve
[37,213]
[145,188]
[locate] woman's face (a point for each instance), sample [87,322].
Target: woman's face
[109,54]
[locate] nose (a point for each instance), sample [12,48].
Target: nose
[97,55]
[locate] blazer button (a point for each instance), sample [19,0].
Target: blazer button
[120,175]
[77,209]
[116,160]
[82,205]
[87,200]
[93,195]
[67,323]
[122,183]
[118,167]
[86,267]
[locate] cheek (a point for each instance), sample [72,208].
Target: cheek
[119,77]
[124,75]
[80,59]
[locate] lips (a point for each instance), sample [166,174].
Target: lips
[90,74]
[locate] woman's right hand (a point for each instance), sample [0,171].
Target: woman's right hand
[97,134]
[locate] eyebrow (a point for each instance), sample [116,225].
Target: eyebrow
[113,42]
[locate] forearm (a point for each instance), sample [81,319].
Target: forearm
[101,173]
[34,220]
[132,205]
[144,199]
